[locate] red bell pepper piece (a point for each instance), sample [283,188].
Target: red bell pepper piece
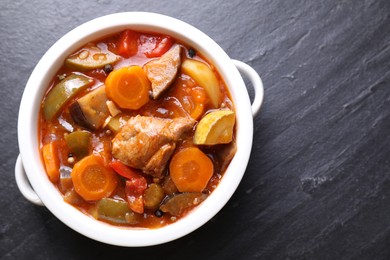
[135,189]
[135,186]
[128,44]
[163,44]
[124,171]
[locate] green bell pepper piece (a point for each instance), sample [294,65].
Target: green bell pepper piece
[79,143]
[116,211]
[181,202]
[62,93]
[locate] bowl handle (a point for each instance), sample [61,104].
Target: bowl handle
[23,184]
[256,82]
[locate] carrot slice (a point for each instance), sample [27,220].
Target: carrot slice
[128,87]
[191,170]
[92,179]
[51,161]
[198,100]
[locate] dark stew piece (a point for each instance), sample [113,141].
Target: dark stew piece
[136,129]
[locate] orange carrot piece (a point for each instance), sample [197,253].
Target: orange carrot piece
[199,99]
[191,170]
[51,161]
[128,87]
[92,179]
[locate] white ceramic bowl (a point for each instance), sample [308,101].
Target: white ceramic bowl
[29,169]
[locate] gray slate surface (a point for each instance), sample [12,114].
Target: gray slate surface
[318,182]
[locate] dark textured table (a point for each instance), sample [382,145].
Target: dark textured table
[318,182]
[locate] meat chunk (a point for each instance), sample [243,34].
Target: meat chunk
[147,143]
[162,71]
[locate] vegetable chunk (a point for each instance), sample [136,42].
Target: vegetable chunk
[90,111]
[79,143]
[91,57]
[162,45]
[191,170]
[215,128]
[153,196]
[62,93]
[115,211]
[205,77]
[128,43]
[93,180]
[51,160]
[178,204]
[128,87]
[135,186]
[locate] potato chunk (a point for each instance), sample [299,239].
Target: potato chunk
[205,77]
[215,128]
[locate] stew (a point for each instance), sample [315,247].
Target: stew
[136,129]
